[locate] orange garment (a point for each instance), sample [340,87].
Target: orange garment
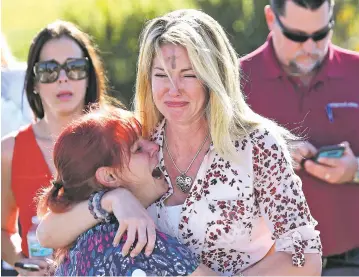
[29,173]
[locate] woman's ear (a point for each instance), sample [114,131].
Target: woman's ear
[107,177]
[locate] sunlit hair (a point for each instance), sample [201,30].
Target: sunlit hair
[215,63]
[101,138]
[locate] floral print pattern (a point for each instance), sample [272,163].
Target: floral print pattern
[94,255]
[236,211]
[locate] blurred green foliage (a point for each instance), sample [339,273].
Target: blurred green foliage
[116,24]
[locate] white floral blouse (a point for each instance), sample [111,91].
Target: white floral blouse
[235,212]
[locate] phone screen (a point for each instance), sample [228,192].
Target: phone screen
[335,151]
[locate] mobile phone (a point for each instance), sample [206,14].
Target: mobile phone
[27,266]
[330,151]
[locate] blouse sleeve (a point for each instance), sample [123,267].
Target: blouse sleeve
[278,191]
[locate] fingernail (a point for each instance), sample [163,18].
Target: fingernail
[115,244]
[148,253]
[124,254]
[133,255]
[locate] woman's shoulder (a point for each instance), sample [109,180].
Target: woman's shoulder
[264,136]
[267,141]
[8,141]
[7,146]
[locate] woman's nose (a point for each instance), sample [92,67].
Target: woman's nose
[63,76]
[153,148]
[174,89]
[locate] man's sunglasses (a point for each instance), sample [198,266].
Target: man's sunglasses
[47,72]
[303,37]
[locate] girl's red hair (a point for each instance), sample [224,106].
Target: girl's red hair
[100,138]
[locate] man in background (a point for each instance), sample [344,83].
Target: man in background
[15,110]
[310,86]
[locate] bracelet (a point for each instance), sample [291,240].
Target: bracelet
[94,205]
[91,207]
[107,216]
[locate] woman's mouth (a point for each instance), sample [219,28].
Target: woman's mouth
[157,173]
[173,104]
[64,95]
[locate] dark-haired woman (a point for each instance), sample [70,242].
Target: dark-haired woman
[64,75]
[104,150]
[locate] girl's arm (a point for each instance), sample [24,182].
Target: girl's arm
[57,230]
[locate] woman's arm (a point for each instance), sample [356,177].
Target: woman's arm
[11,251]
[10,238]
[283,206]
[57,230]
[280,263]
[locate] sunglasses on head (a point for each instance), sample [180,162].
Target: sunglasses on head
[49,71]
[302,37]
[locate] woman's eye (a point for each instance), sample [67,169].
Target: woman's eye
[139,149]
[190,76]
[161,75]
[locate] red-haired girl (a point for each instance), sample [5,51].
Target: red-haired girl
[103,151]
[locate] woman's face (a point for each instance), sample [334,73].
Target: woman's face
[63,96]
[138,174]
[178,95]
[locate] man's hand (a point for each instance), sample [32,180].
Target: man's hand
[334,170]
[304,150]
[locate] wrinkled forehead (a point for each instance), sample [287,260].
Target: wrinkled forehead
[304,20]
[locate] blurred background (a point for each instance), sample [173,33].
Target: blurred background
[115,26]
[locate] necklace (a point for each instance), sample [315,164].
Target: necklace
[183,181]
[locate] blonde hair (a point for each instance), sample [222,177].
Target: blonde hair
[216,64]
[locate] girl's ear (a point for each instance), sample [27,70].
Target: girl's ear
[107,177]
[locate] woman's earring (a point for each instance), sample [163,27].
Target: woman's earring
[35,92]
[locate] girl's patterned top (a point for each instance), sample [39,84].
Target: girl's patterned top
[94,255]
[236,211]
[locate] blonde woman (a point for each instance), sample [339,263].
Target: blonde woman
[234,198]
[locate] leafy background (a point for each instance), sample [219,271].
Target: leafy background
[116,24]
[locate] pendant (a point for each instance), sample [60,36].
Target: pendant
[184,182]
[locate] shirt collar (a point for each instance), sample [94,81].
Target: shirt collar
[331,66]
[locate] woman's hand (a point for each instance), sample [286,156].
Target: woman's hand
[133,218]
